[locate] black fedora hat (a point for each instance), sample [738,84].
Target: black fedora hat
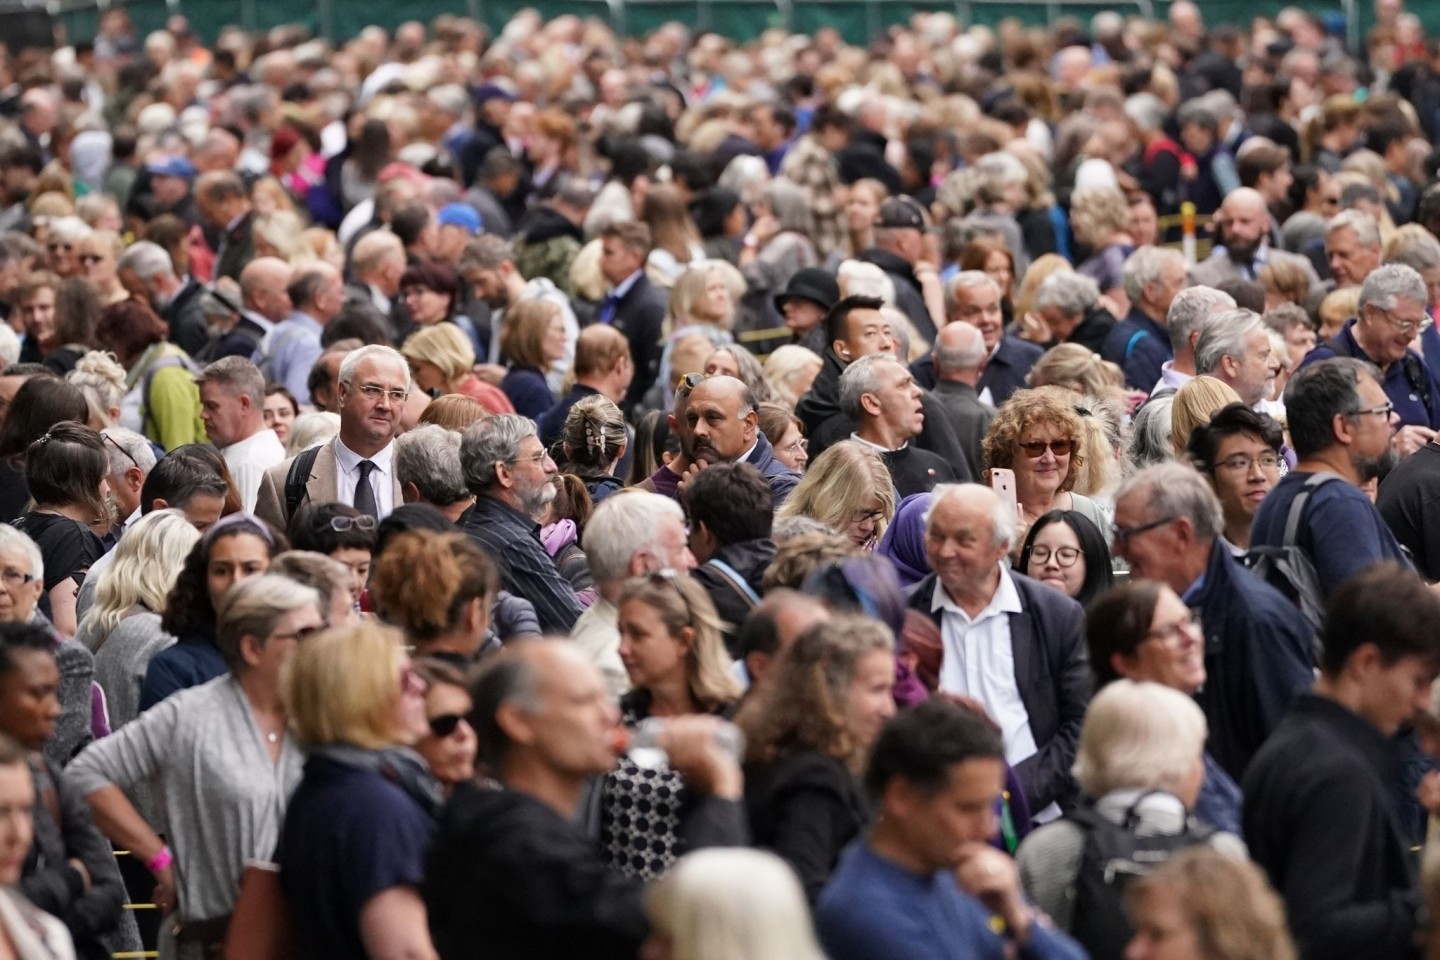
[813,284]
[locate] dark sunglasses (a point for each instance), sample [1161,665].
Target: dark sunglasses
[90,258]
[446,724]
[1035,449]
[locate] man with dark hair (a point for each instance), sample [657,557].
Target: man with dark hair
[317,293]
[1319,795]
[633,306]
[512,866]
[771,127]
[731,509]
[924,882]
[20,167]
[1238,451]
[1341,424]
[900,251]
[225,207]
[856,328]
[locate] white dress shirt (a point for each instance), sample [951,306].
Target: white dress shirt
[381,478]
[248,460]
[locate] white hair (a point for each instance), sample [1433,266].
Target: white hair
[1003,522]
[146,259]
[1146,266]
[13,539]
[1367,231]
[1225,336]
[375,351]
[1139,736]
[622,526]
[1386,286]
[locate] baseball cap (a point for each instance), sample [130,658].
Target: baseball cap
[460,215]
[902,212]
[172,167]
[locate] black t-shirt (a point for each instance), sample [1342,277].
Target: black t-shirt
[1409,500]
[67,547]
[14,491]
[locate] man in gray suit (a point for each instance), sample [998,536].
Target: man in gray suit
[1244,222]
[358,466]
[960,356]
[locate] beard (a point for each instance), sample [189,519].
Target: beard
[1242,251]
[1377,468]
[537,498]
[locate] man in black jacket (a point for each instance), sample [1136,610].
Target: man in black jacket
[633,306]
[511,871]
[731,510]
[900,251]
[971,296]
[1319,794]
[855,328]
[1011,644]
[881,398]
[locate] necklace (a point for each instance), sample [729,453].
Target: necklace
[273,737]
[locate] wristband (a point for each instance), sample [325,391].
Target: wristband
[160,861]
[750,243]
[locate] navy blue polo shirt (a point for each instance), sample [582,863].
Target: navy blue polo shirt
[1408,398]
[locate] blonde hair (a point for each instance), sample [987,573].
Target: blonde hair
[1103,421]
[1138,736]
[1337,307]
[523,338]
[1035,275]
[312,429]
[1097,212]
[342,686]
[1233,910]
[1078,368]
[101,381]
[594,434]
[784,366]
[723,903]
[839,483]
[285,231]
[445,346]
[147,560]
[1195,403]
[688,301]
[681,602]
[1286,279]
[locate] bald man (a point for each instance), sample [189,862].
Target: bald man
[960,356]
[722,420]
[1243,222]
[1011,643]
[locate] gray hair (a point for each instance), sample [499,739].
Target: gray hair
[1150,432]
[1146,111]
[790,206]
[948,359]
[13,539]
[490,442]
[1367,231]
[1191,311]
[486,252]
[238,376]
[1417,253]
[1225,336]
[146,259]
[1003,522]
[623,526]
[1068,292]
[128,449]
[962,280]
[862,376]
[1387,285]
[429,457]
[252,608]
[354,358]
[1145,267]
[1177,490]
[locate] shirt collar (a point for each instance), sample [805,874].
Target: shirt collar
[349,460]
[1006,600]
[875,446]
[623,287]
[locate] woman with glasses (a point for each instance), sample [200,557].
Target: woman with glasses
[429,291]
[533,338]
[847,488]
[1142,630]
[674,654]
[789,443]
[1066,551]
[236,548]
[449,745]
[1038,435]
[438,588]
[352,853]
[1139,760]
[219,763]
[340,532]
[1238,451]
[123,627]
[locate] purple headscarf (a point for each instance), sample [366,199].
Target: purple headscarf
[904,540]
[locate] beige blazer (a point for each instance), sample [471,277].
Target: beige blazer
[322,487]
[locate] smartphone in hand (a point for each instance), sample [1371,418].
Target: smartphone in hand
[1002,481]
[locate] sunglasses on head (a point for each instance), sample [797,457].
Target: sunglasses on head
[1035,449]
[446,724]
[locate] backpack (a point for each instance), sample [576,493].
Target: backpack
[161,362]
[1113,855]
[1288,567]
[296,478]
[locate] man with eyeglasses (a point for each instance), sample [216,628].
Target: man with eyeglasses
[1238,451]
[511,475]
[1392,313]
[358,466]
[1258,652]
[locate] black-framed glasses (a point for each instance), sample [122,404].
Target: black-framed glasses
[1172,635]
[1064,556]
[363,523]
[128,456]
[1383,411]
[304,633]
[1121,535]
[1240,463]
[15,579]
[445,725]
[1035,449]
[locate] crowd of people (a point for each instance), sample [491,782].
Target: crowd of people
[690,499]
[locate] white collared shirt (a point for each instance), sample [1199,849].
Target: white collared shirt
[1170,378]
[248,460]
[382,481]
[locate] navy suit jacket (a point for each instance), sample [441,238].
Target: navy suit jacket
[640,315]
[1052,672]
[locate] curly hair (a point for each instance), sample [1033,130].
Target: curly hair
[681,602]
[801,555]
[804,707]
[188,609]
[1050,406]
[422,581]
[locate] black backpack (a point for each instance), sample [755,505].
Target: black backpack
[1288,567]
[1113,855]
[295,479]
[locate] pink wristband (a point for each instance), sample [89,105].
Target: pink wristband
[160,861]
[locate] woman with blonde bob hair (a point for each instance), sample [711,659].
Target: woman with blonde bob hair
[674,655]
[849,489]
[442,361]
[1227,909]
[808,732]
[367,798]
[1195,403]
[721,904]
[1141,759]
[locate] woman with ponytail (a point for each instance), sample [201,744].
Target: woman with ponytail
[594,440]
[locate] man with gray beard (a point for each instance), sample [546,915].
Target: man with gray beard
[508,470]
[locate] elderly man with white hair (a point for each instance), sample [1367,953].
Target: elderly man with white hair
[1189,312]
[1236,349]
[1352,247]
[1392,312]
[1012,645]
[1139,344]
[630,534]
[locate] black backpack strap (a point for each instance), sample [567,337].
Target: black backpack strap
[1415,377]
[1296,516]
[296,479]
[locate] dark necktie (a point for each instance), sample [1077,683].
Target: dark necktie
[364,493]
[607,309]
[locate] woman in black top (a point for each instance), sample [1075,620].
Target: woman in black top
[808,731]
[65,471]
[41,402]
